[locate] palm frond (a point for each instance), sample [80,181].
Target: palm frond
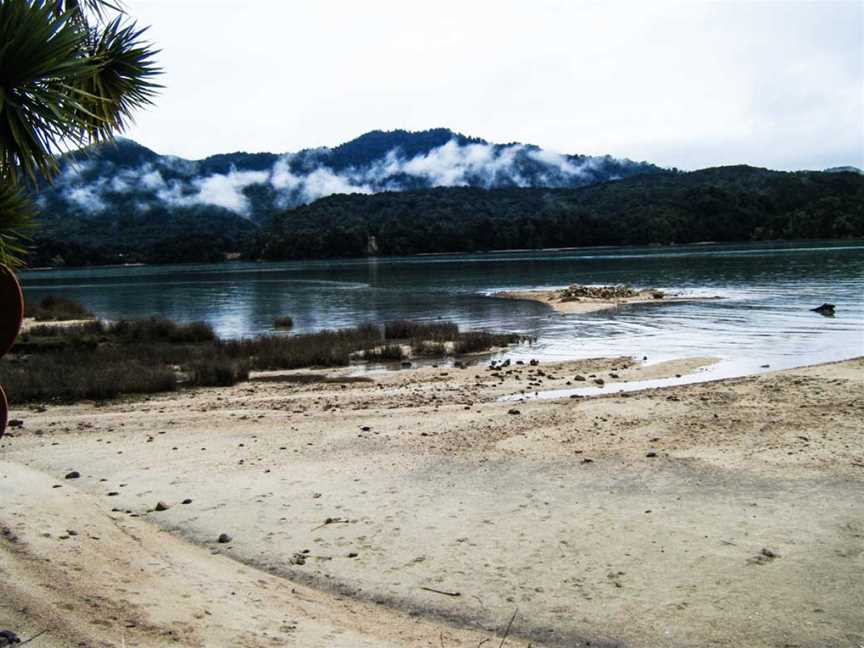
[40,54]
[16,219]
[64,84]
[121,80]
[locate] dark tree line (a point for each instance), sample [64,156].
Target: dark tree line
[723,204]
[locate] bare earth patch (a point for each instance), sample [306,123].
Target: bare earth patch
[417,510]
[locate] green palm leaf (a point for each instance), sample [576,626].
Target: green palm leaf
[16,219]
[39,55]
[120,81]
[63,84]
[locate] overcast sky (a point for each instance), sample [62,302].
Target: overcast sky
[687,84]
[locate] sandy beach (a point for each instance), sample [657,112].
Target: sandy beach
[416,509]
[588,305]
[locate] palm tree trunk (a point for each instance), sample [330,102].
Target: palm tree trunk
[11,317]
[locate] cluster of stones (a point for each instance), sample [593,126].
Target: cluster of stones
[577,292]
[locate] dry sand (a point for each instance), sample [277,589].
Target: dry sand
[31,323]
[715,514]
[589,305]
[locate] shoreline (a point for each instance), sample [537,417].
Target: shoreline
[588,305]
[620,520]
[480,253]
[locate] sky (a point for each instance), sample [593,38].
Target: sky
[686,84]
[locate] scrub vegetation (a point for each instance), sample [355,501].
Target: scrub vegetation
[99,360]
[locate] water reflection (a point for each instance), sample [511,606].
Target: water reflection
[767,292]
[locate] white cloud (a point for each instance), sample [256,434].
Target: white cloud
[85,197]
[449,165]
[152,180]
[281,177]
[227,190]
[118,184]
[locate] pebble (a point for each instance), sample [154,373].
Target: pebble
[73,475]
[161,506]
[223,538]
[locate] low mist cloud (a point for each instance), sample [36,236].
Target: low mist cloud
[296,179]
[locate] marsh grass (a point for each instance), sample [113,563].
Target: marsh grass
[429,349]
[329,348]
[71,376]
[216,372]
[159,329]
[98,360]
[386,353]
[431,331]
[55,309]
[479,341]
[284,322]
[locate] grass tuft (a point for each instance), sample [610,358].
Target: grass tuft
[386,353]
[284,322]
[54,309]
[434,331]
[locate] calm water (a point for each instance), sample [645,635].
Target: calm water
[763,317]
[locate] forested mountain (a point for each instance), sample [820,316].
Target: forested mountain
[737,203]
[431,191]
[124,202]
[125,178]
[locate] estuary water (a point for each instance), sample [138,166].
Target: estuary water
[763,318]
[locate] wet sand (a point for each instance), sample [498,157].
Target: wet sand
[418,510]
[589,305]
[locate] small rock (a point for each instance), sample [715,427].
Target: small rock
[514,412]
[651,454]
[224,538]
[161,506]
[763,557]
[826,310]
[186,501]
[15,423]
[73,475]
